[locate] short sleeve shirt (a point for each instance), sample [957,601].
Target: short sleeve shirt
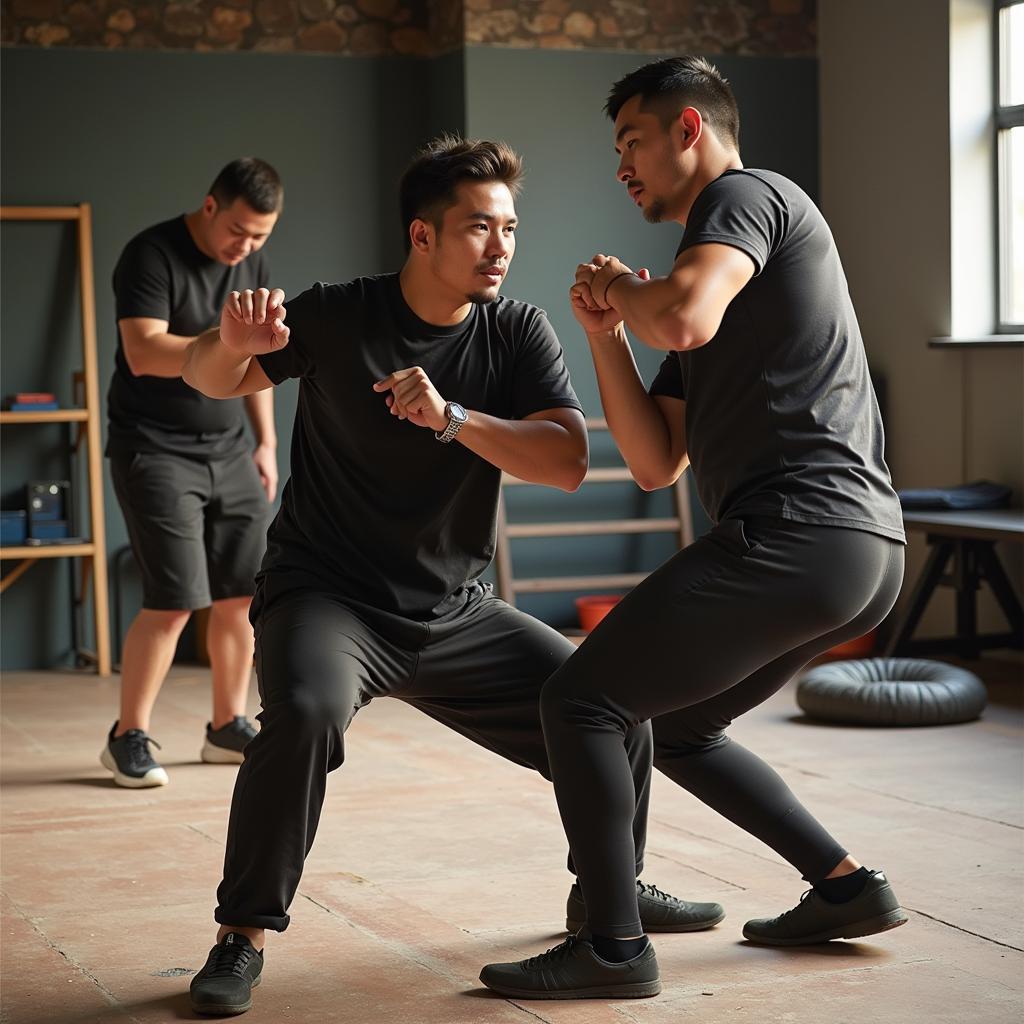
[781,414]
[163,275]
[377,509]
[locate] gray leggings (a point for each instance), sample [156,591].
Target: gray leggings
[713,633]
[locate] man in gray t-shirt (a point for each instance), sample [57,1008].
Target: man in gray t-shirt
[764,391]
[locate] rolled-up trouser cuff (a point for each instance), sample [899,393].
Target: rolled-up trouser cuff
[241,920]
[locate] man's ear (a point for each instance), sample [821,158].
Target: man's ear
[690,126]
[422,235]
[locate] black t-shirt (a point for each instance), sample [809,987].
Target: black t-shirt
[376,509]
[162,274]
[781,416]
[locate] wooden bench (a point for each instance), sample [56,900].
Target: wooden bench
[968,539]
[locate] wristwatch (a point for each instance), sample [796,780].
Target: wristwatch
[456,417]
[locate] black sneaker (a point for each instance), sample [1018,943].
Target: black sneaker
[232,970]
[226,745]
[659,912]
[573,970]
[128,757]
[814,919]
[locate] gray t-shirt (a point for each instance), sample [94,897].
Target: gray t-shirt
[781,415]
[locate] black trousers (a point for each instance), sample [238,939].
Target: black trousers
[713,633]
[319,660]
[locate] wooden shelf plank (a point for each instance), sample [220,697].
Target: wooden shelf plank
[40,213]
[45,416]
[47,551]
[577,528]
[563,584]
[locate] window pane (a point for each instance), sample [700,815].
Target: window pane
[1011,55]
[1011,225]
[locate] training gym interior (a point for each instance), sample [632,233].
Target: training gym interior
[433,856]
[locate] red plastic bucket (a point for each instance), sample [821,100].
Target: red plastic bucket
[591,610]
[860,647]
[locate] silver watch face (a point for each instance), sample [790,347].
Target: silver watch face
[457,413]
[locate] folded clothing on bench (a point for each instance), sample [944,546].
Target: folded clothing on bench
[980,494]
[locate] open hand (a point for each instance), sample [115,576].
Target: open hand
[252,322]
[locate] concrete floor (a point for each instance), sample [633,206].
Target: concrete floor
[435,857]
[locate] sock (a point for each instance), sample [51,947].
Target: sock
[618,951]
[844,888]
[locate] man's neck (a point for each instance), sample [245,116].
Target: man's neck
[431,302]
[721,161]
[194,223]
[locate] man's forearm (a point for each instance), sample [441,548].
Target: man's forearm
[259,407]
[654,312]
[539,451]
[634,419]
[159,355]
[212,368]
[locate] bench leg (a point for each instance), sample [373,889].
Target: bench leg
[926,584]
[994,572]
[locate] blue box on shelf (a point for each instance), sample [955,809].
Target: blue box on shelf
[50,531]
[13,527]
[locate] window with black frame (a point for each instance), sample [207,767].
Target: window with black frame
[1010,163]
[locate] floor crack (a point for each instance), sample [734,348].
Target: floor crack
[114,1002]
[966,931]
[529,1013]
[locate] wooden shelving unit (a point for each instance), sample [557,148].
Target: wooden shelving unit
[93,551]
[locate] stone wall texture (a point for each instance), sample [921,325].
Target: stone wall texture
[416,27]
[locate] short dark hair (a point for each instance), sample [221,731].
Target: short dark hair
[668,86]
[429,182]
[251,179]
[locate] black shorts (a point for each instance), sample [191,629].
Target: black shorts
[197,528]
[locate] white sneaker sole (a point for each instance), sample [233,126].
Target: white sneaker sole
[154,777]
[212,754]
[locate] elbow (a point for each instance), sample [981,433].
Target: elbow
[575,473]
[652,478]
[575,477]
[676,331]
[648,482]
[136,363]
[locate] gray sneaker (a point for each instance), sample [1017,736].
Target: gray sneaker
[128,757]
[227,744]
[814,919]
[573,970]
[659,912]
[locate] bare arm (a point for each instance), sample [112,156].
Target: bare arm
[547,447]
[220,361]
[649,429]
[679,312]
[259,406]
[150,350]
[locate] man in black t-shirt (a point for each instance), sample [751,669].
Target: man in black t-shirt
[193,494]
[416,391]
[765,392]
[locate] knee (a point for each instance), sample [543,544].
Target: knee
[563,702]
[232,609]
[687,741]
[166,622]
